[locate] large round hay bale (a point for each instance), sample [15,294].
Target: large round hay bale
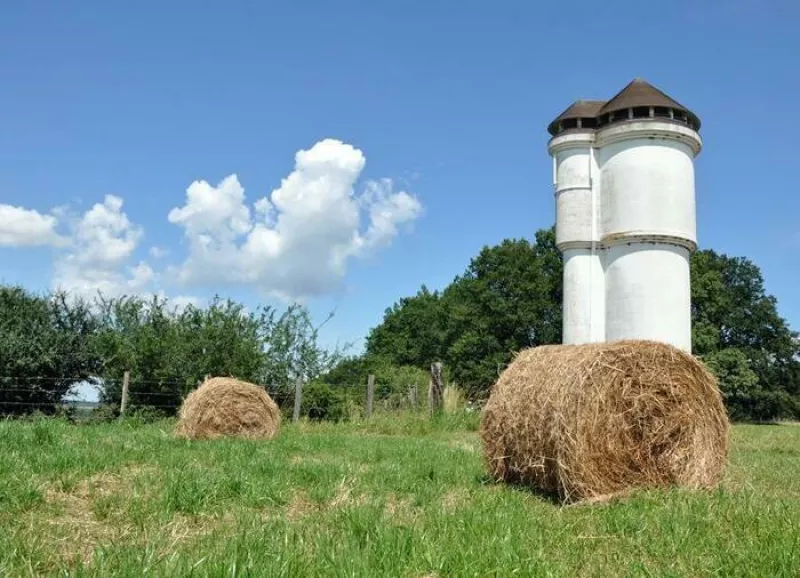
[224,406]
[587,421]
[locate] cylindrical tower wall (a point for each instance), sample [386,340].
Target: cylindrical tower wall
[647,293]
[583,311]
[575,169]
[577,234]
[648,191]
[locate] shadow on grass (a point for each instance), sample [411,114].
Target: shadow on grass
[764,422]
[552,498]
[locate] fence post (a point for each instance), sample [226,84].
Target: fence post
[370,395]
[412,395]
[123,404]
[298,398]
[435,389]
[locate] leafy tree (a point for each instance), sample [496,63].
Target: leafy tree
[731,310]
[768,406]
[732,368]
[413,331]
[44,349]
[508,298]
[169,353]
[138,336]
[291,346]
[220,339]
[737,381]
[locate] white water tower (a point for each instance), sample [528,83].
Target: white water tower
[623,172]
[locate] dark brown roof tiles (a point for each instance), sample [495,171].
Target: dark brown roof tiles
[636,94]
[578,109]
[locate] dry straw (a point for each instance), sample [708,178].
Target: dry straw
[224,406]
[588,421]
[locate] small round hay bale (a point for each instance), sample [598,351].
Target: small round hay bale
[224,406]
[595,420]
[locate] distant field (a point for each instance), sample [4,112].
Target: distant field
[395,497]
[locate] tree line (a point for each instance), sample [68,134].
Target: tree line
[49,342]
[508,298]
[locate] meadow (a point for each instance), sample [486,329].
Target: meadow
[394,496]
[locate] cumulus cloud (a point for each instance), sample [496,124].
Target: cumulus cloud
[181,302]
[158,252]
[296,242]
[177,303]
[21,227]
[100,254]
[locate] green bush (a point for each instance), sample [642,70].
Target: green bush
[732,368]
[324,402]
[392,383]
[764,406]
[744,397]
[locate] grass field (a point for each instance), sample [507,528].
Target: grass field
[394,497]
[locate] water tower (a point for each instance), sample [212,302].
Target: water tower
[623,172]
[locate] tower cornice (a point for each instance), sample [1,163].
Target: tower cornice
[571,140]
[636,129]
[631,238]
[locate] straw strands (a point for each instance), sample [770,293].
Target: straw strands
[224,406]
[586,421]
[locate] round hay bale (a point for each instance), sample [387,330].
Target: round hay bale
[224,406]
[595,420]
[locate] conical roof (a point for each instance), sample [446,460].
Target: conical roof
[639,92]
[578,109]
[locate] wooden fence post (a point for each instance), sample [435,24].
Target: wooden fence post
[298,398]
[123,404]
[370,395]
[412,395]
[435,389]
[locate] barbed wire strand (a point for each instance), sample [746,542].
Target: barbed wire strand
[67,392]
[97,405]
[93,403]
[115,380]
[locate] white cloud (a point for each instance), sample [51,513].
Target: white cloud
[181,302]
[296,242]
[158,252]
[21,227]
[386,211]
[177,303]
[100,255]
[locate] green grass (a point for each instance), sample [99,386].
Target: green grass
[399,496]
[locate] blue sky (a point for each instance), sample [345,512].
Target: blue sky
[111,110]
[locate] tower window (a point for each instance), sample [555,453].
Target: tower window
[641,112]
[569,123]
[661,112]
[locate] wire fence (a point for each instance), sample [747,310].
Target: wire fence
[88,398]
